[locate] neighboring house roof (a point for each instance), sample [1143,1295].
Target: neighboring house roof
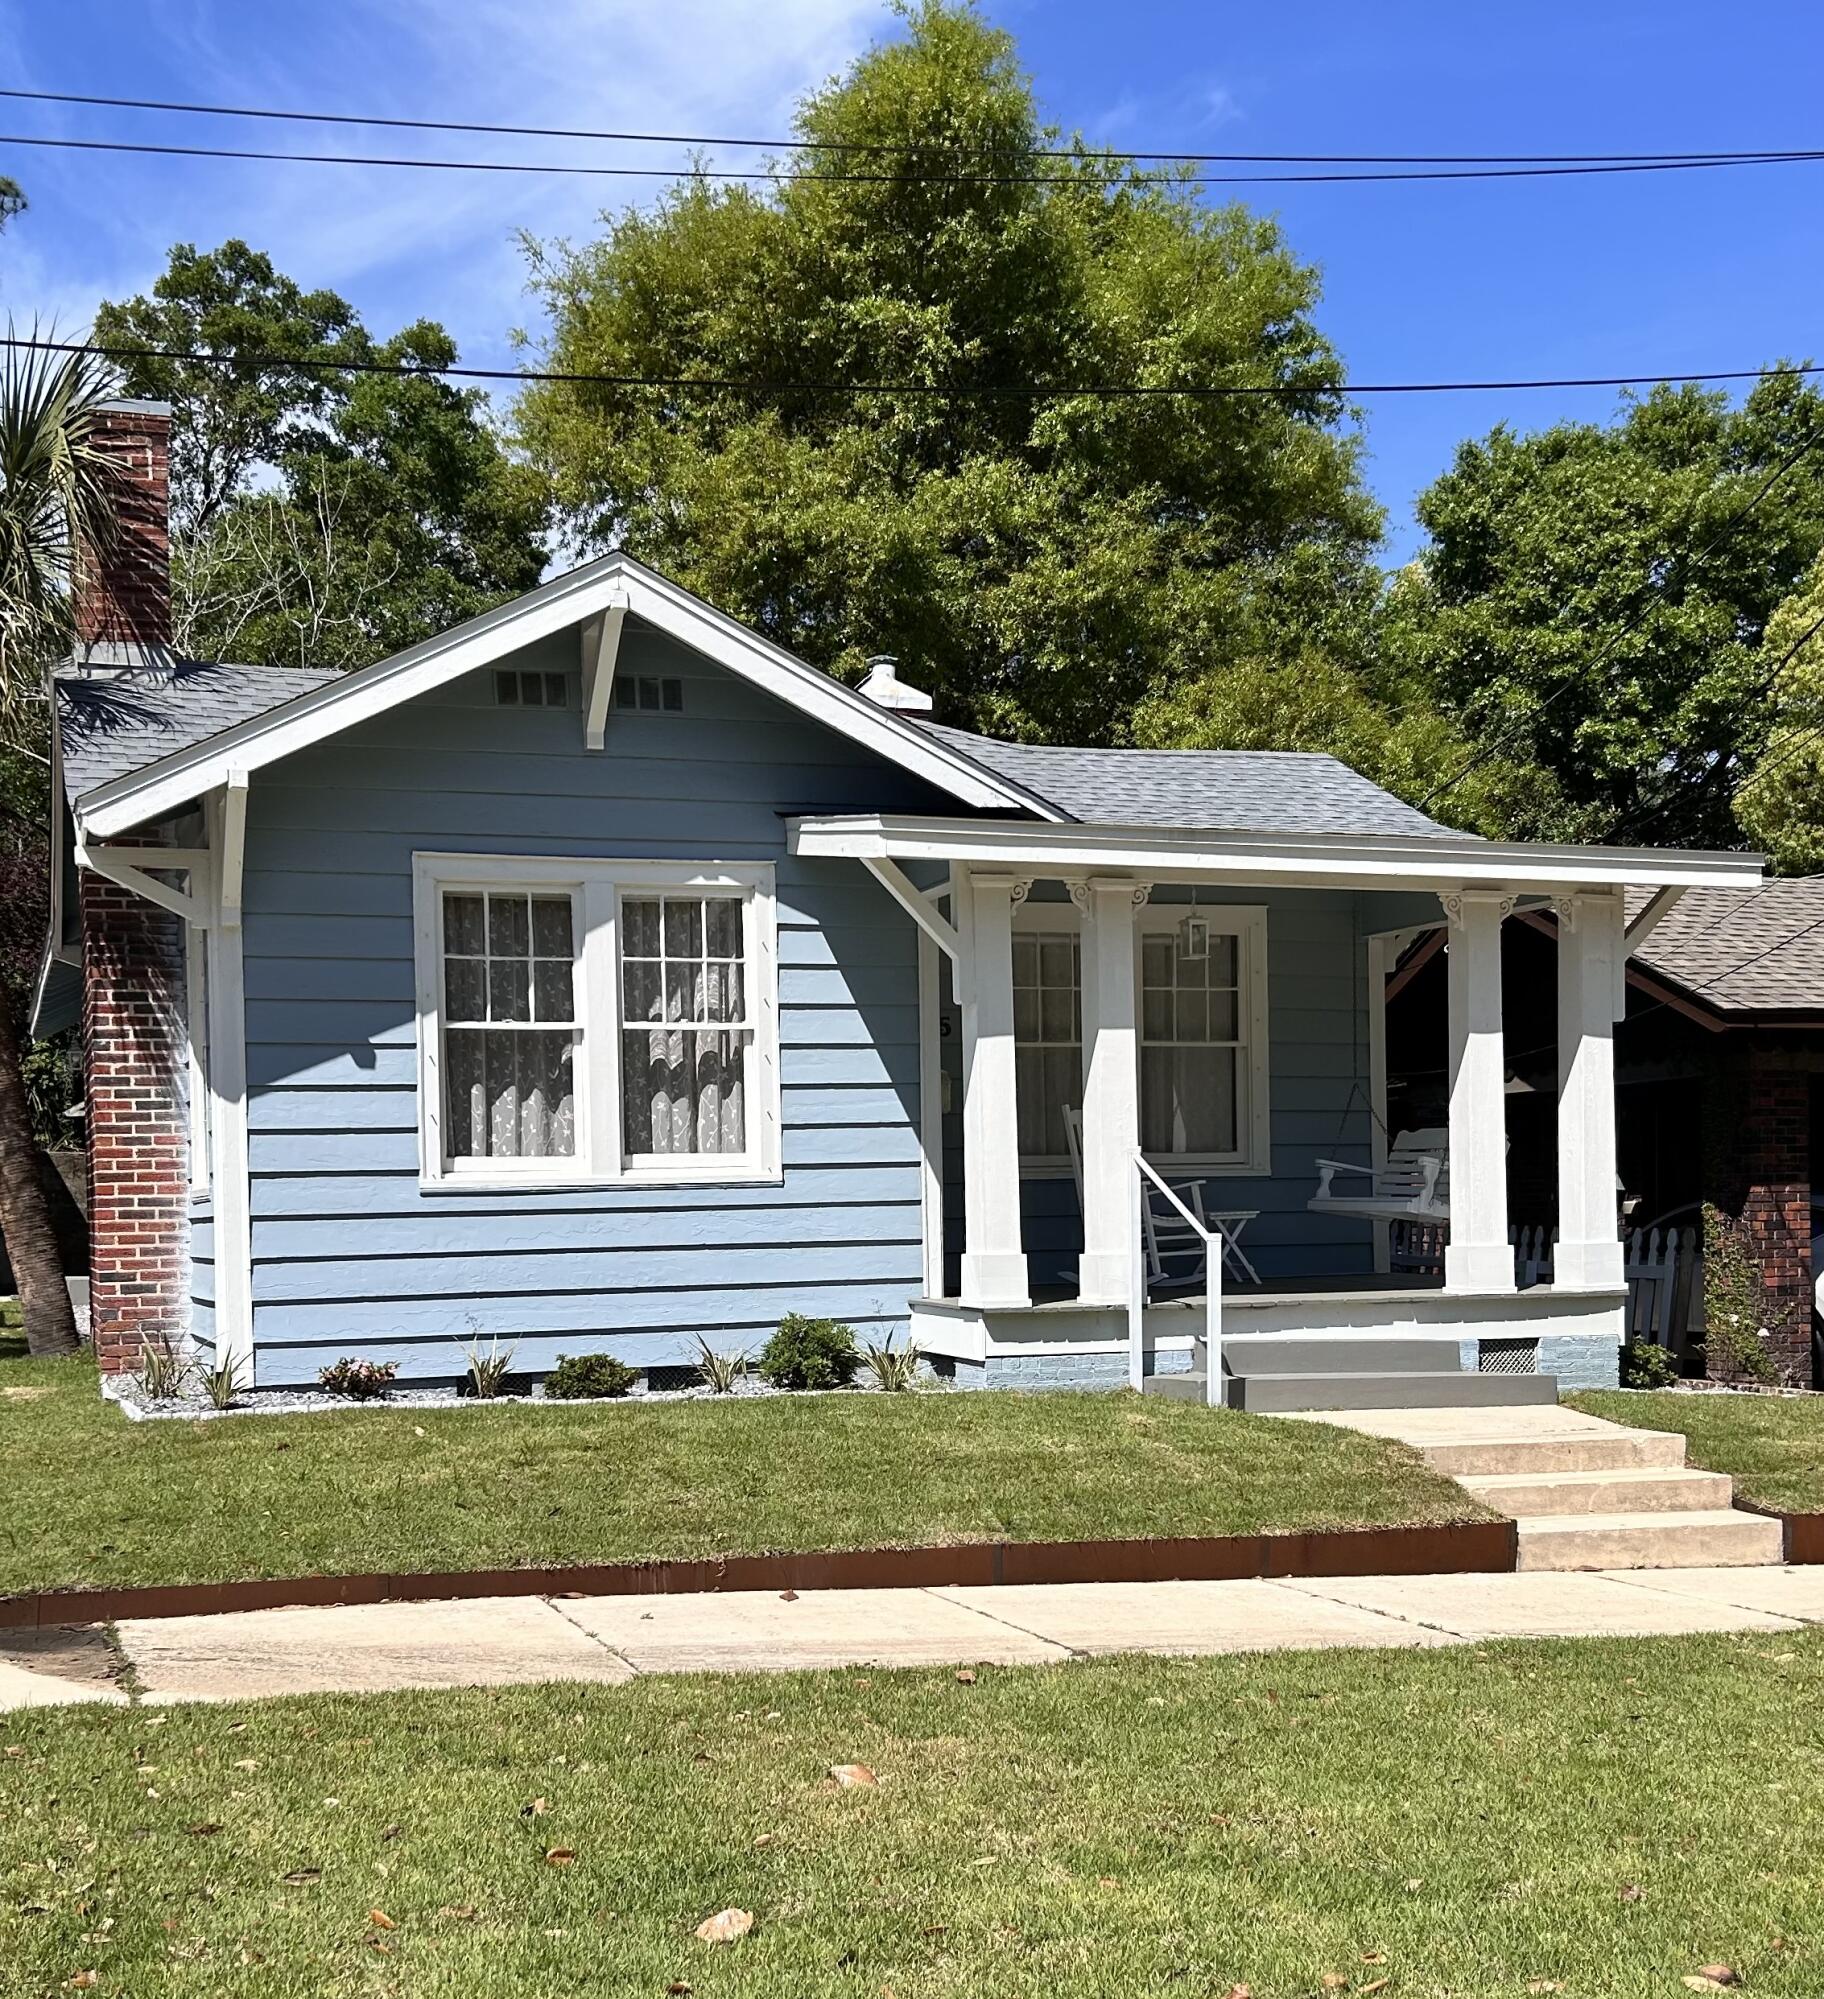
[1754,951]
[113,720]
[1225,791]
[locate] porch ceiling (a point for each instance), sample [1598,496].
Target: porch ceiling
[1378,861]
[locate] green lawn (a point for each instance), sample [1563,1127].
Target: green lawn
[1605,1814]
[1771,1445]
[91,1498]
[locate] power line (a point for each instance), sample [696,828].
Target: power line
[1702,156]
[1493,747]
[590,171]
[1033,391]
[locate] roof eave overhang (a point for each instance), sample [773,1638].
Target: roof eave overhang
[324,712]
[1368,861]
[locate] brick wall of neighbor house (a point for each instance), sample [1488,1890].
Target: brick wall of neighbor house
[1757,1173]
[134,1044]
[138,1137]
[123,592]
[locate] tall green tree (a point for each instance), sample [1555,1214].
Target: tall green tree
[53,493]
[1039,562]
[320,517]
[1592,599]
[1780,803]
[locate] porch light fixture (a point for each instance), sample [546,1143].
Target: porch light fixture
[1194,937]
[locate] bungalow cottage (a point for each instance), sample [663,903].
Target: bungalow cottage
[597,975]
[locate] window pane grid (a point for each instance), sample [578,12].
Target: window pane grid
[510,1030]
[1048,1036]
[685,1024]
[1192,1039]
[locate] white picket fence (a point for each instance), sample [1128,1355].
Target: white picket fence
[1664,1270]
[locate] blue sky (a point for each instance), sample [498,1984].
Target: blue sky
[1632,274]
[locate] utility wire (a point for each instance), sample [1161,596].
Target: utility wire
[1034,391]
[1703,156]
[894,178]
[1493,747]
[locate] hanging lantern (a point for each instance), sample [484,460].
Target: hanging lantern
[1194,937]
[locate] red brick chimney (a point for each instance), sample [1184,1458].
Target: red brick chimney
[123,591]
[135,1045]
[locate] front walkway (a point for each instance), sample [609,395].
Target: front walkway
[499,1641]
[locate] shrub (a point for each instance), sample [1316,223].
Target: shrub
[810,1353]
[719,1371]
[1735,1303]
[1644,1365]
[585,1376]
[488,1370]
[359,1380]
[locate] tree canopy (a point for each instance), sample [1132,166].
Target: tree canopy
[319,518]
[1780,805]
[1039,561]
[1593,599]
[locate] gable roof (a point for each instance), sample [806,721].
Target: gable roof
[1755,951]
[183,770]
[1225,791]
[112,721]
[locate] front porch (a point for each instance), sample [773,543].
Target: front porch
[1208,1010]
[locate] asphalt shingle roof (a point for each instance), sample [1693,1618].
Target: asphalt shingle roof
[112,720]
[1758,950]
[1212,791]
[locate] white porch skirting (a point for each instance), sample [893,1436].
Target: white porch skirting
[945,1329]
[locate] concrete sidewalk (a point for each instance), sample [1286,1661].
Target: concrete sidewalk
[500,1641]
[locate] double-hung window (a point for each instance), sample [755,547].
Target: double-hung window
[595,1022]
[1201,1012]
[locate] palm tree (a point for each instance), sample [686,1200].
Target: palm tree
[54,494]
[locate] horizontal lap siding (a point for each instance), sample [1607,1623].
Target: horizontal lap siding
[350,1256]
[202,1278]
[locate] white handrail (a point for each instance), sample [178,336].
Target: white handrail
[1136,1289]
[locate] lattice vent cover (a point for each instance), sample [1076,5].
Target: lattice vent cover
[1508,1357]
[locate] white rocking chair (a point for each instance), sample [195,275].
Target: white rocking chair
[1414,1184]
[1174,1249]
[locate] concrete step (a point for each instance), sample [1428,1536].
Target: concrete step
[1269,1393]
[1701,1540]
[1542,1454]
[1628,1489]
[1270,1353]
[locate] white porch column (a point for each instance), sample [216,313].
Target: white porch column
[1479,1257]
[1589,1254]
[1111,1086]
[994,1264]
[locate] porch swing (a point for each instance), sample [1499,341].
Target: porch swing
[1412,1185]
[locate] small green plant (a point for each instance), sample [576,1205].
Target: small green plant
[1644,1365]
[162,1371]
[223,1382]
[359,1380]
[720,1371]
[488,1371]
[584,1377]
[895,1372]
[810,1353]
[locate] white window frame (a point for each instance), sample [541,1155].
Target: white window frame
[196,1061]
[1052,917]
[1247,924]
[598,888]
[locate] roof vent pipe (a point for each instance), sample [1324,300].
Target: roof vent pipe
[885,689]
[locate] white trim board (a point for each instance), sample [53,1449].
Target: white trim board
[573,599]
[1264,860]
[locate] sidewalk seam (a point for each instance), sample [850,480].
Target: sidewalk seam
[1007,1623]
[594,1637]
[1637,1579]
[1308,1586]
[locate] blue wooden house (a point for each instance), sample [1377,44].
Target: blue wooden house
[598,976]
